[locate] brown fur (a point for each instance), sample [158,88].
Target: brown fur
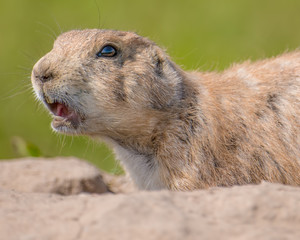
[192,130]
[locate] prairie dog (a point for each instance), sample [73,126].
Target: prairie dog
[173,129]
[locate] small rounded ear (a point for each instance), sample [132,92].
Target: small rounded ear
[164,67]
[167,88]
[160,59]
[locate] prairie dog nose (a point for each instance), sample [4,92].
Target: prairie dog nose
[43,71]
[44,77]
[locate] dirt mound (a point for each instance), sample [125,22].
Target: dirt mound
[265,211]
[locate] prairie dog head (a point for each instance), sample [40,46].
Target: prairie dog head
[101,82]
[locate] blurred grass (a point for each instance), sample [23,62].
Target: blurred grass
[202,34]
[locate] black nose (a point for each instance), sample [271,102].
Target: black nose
[44,77]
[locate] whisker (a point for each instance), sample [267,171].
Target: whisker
[62,139]
[30,58]
[27,69]
[116,169]
[99,13]
[72,141]
[15,94]
[54,35]
[89,142]
[58,25]
[20,90]
[21,104]
[47,34]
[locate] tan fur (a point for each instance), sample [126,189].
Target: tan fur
[174,129]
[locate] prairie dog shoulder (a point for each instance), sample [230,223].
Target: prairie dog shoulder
[170,128]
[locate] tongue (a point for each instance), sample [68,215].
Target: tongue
[62,110]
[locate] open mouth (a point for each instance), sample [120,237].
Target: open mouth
[63,115]
[61,110]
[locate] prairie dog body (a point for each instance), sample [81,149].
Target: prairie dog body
[173,129]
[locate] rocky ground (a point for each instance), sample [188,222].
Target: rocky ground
[66,198]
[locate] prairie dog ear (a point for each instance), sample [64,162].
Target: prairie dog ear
[164,67]
[160,61]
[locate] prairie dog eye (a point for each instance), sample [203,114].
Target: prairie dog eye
[107,51]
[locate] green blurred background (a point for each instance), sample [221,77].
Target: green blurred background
[198,34]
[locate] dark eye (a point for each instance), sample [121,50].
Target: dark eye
[107,51]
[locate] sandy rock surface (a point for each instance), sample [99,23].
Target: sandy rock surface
[265,211]
[54,175]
